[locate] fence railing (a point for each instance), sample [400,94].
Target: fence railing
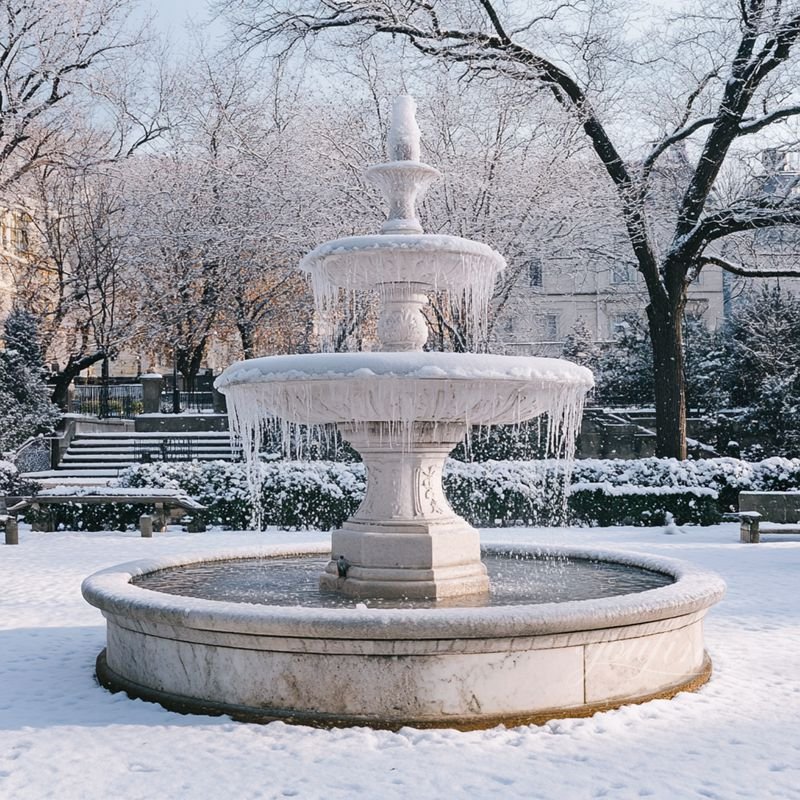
[168,449]
[190,401]
[117,400]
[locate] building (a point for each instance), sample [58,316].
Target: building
[14,245]
[552,296]
[591,284]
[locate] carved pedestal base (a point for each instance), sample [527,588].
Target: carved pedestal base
[405,540]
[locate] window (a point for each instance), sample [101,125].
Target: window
[617,325]
[535,272]
[550,327]
[623,272]
[20,233]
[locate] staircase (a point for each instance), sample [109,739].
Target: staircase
[95,459]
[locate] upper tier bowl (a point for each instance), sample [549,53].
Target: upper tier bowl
[438,261]
[471,388]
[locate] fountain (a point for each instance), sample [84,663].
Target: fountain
[414,635]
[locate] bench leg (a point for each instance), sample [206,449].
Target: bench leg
[42,519]
[160,518]
[748,532]
[146,526]
[12,531]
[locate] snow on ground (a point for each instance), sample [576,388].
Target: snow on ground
[63,736]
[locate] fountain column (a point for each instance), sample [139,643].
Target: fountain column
[405,541]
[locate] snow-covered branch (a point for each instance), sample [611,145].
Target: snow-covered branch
[748,272]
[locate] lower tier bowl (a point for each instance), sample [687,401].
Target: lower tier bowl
[386,668]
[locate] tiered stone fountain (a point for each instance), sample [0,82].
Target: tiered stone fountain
[404,410]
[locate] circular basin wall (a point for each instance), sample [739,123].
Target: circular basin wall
[456,667]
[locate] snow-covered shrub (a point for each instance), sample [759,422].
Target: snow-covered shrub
[322,494]
[506,492]
[12,483]
[317,494]
[25,407]
[763,370]
[219,485]
[293,494]
[606,504]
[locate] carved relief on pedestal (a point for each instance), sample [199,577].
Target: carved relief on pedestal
[401,324]
[384,493]
[429,500]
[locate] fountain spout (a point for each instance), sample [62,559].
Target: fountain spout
[404,134]
[403,180]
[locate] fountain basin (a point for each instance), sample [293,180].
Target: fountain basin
[436,260]
[438,667]
[397,387]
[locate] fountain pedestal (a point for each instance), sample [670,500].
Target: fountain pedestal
[405,541]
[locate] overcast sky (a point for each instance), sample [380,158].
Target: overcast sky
[171,15]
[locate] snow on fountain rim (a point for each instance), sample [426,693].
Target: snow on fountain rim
[406,365]
[693,591]
[435,243]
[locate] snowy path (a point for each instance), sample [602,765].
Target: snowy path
[63,737]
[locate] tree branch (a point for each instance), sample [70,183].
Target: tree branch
[733,220]
[754,125]
[746,272]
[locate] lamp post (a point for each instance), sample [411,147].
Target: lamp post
[104,409]
[176,392]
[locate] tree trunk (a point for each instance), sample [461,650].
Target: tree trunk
[75,365]
[666,336]
[189,362]
[247,338]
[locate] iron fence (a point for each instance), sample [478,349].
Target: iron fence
[190,401]
[167,449]
[122,400]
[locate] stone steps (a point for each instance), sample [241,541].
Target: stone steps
[97,458]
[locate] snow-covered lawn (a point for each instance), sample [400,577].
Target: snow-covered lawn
[62,736]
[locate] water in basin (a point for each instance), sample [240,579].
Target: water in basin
[514,580]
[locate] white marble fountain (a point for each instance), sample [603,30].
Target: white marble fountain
[404,410]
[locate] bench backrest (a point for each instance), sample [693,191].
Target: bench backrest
[773,506]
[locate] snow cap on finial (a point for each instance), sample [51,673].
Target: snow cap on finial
[404,131]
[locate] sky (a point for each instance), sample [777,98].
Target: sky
[170,16]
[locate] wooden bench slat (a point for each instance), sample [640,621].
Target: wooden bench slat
[182,502]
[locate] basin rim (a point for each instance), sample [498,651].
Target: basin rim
[528,371]
[694,590]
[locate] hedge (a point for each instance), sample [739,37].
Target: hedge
[12,484]
[604,504]
[322,494]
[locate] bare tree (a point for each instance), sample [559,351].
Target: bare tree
[72,276]
[53,53]
[710,78]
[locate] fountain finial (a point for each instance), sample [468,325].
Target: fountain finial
[404,132]
[403,179]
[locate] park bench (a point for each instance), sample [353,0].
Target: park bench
[755,508]
[166,501]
